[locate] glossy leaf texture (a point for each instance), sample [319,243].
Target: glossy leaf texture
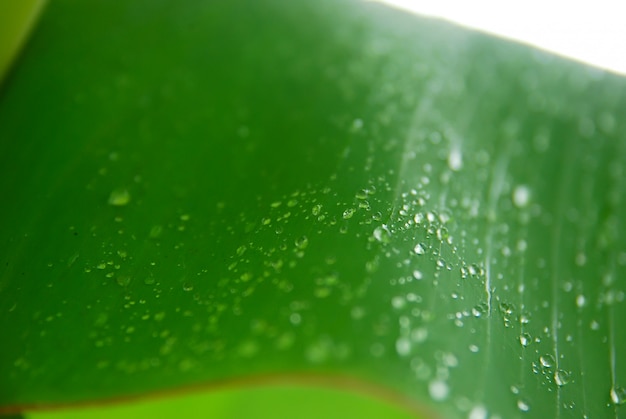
[205,192]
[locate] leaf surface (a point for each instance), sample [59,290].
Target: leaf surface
[215,191]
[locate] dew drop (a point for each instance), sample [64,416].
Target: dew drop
[438,390]
[398,302]
[580,301]
[521,196]
[562,377]
[187,286]
[418,275]
[119,197]
[302,242]
[382,234]
[403,346]
[478,412]
[618,395]
[525,339]
[547,361]
[455,159]
[419,249]
[523,406]
[347,214]
[295,318]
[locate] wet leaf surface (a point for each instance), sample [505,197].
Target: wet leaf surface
[197,193]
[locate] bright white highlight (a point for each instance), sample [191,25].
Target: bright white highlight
[590,31]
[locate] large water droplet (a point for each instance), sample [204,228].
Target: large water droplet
[618,395]
[403,346]
[521,196]
[478,412]
[547,361]
[455,159]
[382,234]
[419,249]
[523,406]
[562,377]
[525,339]
[438,390]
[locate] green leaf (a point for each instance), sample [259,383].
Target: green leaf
[217,192]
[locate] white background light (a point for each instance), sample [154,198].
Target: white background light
[590,31]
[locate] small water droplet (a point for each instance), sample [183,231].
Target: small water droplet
[187,286]
[523,406]
[455,159]
[347,214]
[302,242]
[478,412]
[580,301]
[618,395]
[419,249]
[362,194]
[547,361]
[525,339]
[382,234]
[295,318]
[316,210]
[417,275]
[398,302]
[119,197]
[562,377]
[438,390]
[521,196]
[403,346]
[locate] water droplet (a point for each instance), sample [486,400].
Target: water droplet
[525,339]
[357,125]
[403,346]
[521,196]
[438,390]
[362,194]
[382,234]
[347,214]
[316,210]
[562,377]
[184,217]
[119,197]
[417,275]
[455,159]
[398,302]
[618,395]
[523,406]
[187,286]
[295,318]
[419,249]
[302,242]
[478,412]
[580,301]
[547,361]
